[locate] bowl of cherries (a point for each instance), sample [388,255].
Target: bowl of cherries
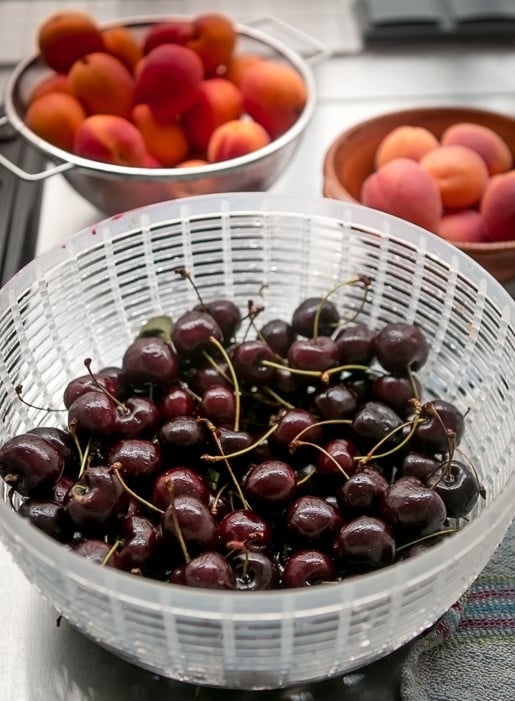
[251,441]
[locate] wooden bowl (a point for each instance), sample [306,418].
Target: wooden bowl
[350,159]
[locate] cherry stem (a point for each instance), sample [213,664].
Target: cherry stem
[450,435]
[363,459]
[296,444]
[323,375]
[72,429]
[84,458]
[367,282]
[446,531]
[252,313]
[234,378]
[414,388]
[216,366]
[325,422]
[186,275]
[280,400]
[316,320]
[308,476]
[482,490]
[110,552]
[87,363]
[212,429]
[19,390]
[243,451]
[177,526]
[132,493]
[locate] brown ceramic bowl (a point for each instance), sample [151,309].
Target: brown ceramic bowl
[350,158]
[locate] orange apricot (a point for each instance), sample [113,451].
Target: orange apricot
[460,174]
[110,139]
[236,138]
[123,44]
[55,117]
[485,141]
[218,101]
[214,38]
[53,82]
[103,84]
[405,141]
[165,142]
[66,36]
[238,65]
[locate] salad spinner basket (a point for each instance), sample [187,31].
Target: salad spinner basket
[88,298]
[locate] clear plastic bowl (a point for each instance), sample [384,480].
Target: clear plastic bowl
[88,297]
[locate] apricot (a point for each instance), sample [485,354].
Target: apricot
[403,188]
[484,141]
[66,36]
[102,84]
[214,39]
[165,142]
[176,67]
[218,101]
[236,138]
[123,44]
[195,186]
[498,207]
[460,174]
[463,226]
[238,66]
[274,95]
[110,139]
[170,32]
[54,82]
[55,117]
[405,141]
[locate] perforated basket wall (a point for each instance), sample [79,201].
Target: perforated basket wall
[88,298]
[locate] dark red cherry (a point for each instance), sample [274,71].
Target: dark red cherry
[439,417]
[30,464]
[312,520]
[247,358]
[93,413]
[192,332]
[218,404]
[364,542]
[254,571]
[205,375]
[140,543]
[318,354]
[88,383]
[245,527]
[420,465]
[458,486]
[397,392]
[176,482]
[375,420]
[97,551]
[60,439]
[400,347]
[303,318]
[413,509]
[232,441]
[335,402]
[183,434]
[209,570]
[96,501]
[49,516]
[296,423]
[135,457]
[149,360]
[60,489]
[279,335]
[189,519]
[362,493]
[337,458]
[226,314]
[177,401]
[271,483]
[307,568]
[138,417]
[356,344]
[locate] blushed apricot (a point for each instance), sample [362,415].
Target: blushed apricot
[110,139]
[236,138]
[218,101]
[66,36]
[405,142]
[54,82]
[403,188]
[460,174]
[485,141]
[102,84]
[463,226]
[498,207]
[214,39]
[239,64]
[171,32]
[165,142]
[274,95]
[55,117]
[123,44]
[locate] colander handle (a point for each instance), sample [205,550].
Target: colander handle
[19,172]
[312,50]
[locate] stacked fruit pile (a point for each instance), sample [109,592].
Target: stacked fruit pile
[300,453]
[460,186]
[177,94]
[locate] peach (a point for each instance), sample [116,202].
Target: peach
[238,66]
[54,82]
[274,95]
[462,226]
[403,188]
[55,117]
[498,207]
[102,84]
[218,101]
[405,141]
[110,139]
[165,142]
[214,39]
[176,67]
[170,32]
[66,36]
[236,138]
[123,44]
[460,174]
[485,141]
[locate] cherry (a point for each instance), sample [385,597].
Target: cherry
[303,318]
[179,481]
[292,423]
[60,439]
[439,419]
[189,520]
[413,509]
[49,516]
[96,501]
[232,441]
[311,520]
[336,401]
[420,465]
[362,493]
[307,568]
[364,542]
[400,347]
[149,360]
[271,483]
[320,353]
[356,344]
[140,544]
[60,489]
[205,375]
[247,358]
[184,435]
[93,413]
[88,383]
[245,527]
[192,332]
[209,570]
[254,571]
[135,457]
[218,404]
[226,314]
[279,335]
[177,401]
[375,420]
[457,485]
[397,392]
[97,551]
[137,418]
[30,463]
[337,459]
